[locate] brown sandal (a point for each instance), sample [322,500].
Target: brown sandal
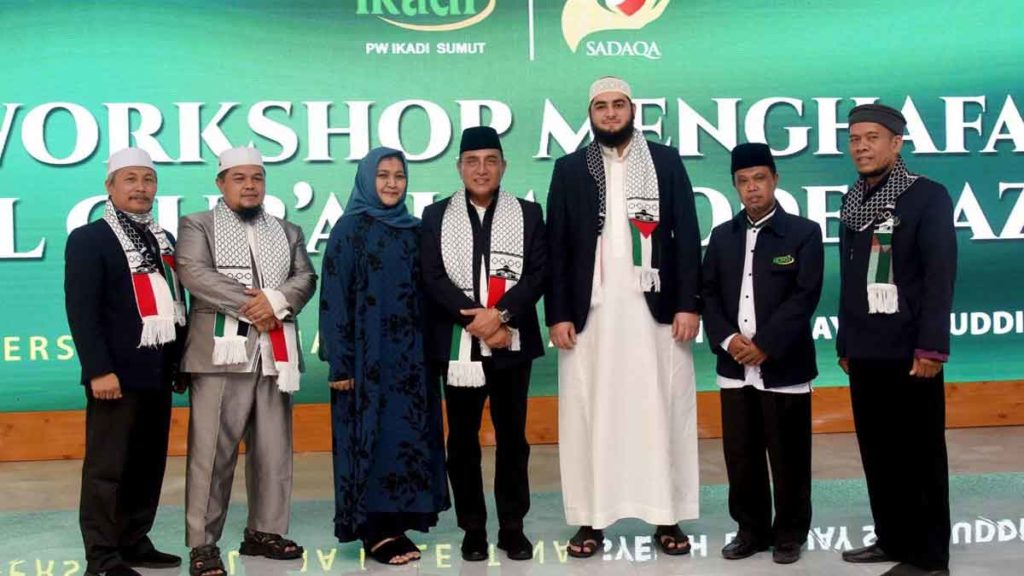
[205,561]
[273,546]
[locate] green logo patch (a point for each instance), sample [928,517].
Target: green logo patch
[783,260]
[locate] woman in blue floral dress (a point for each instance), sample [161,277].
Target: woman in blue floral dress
[388,445]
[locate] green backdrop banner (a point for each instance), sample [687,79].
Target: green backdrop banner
[315,85]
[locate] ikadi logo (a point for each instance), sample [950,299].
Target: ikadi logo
[428,15]
[581,18]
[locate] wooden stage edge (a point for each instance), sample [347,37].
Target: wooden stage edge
[60,435]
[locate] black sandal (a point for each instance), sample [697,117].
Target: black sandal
[273,546]
[205,561]
[664,535]
[583,536]
[388,551]
[410,547]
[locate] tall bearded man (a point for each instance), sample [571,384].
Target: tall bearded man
[622,307]
[249,276]
[897,270]
[126,312]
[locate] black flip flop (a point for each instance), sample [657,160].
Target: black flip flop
[584,536]
[388,551]
[665,534]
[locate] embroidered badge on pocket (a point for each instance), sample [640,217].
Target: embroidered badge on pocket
[783,260]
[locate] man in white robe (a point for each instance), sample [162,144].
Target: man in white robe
[622,308]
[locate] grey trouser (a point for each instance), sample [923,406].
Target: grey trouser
[226,409]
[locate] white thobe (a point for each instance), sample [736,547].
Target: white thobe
[626,396]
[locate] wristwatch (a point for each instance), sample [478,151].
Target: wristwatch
[504,315]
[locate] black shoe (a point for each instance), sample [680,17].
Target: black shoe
[867,555]
[786,553]
[906,569]
[474,546]
[515,544]
[742,547]
[152,559]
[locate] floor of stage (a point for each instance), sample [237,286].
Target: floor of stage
[39,531]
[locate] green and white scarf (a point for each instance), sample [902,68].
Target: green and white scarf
[233,258]
[879,211]
[159,298]
[505,269]
[643,206]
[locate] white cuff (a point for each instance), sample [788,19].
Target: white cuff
[278,302]
[727,341]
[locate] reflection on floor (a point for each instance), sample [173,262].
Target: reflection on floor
[39,531]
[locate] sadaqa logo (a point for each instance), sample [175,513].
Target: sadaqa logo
[581,18]
[428,15]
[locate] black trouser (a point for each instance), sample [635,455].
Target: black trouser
[123,470]
[507,389]
[901,429]
[758,427]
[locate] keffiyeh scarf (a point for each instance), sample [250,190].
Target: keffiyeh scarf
[159,298]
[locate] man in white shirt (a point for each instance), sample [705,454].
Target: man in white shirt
[762,277]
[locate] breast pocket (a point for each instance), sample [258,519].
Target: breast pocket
[783,264]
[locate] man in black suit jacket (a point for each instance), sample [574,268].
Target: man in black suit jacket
[897,270]
[622,306]
[483,261]
[126,311]
[762,282]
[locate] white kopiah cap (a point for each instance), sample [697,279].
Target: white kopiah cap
[242,156]
[129,157]
[610,84]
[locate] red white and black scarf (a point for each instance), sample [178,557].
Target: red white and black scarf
[643,206]
[159,298]
[505,269]
[234,258]
[879,211]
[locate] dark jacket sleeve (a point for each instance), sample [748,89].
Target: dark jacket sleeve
[937,243]
[717,325]
[84,287]
[559,286]
[791,317]
[841,327]
[523,297]
[337,300]
[686,239]
[435,280]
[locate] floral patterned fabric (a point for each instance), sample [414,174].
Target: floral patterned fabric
[387,437]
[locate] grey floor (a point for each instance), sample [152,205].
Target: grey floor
[39,534]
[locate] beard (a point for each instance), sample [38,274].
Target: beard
[249,214]
[613,138]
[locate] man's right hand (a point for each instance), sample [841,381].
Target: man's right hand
[268,324]
[563,335]
[738,344]
[106,387]
[844,363]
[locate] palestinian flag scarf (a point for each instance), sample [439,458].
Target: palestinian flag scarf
[642,206]
[159,298]
[269,262]
[504,270]
[878,211]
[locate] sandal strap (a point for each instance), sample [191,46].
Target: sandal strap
[585,535]
[387,552]
[266,538]
[205,552]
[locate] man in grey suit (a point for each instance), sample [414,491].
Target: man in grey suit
[249,276]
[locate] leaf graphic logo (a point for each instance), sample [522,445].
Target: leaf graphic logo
[581,18]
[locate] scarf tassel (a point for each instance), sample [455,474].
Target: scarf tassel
[156,330]
[650,280]
[229,350]
[883,299]
[463,372]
